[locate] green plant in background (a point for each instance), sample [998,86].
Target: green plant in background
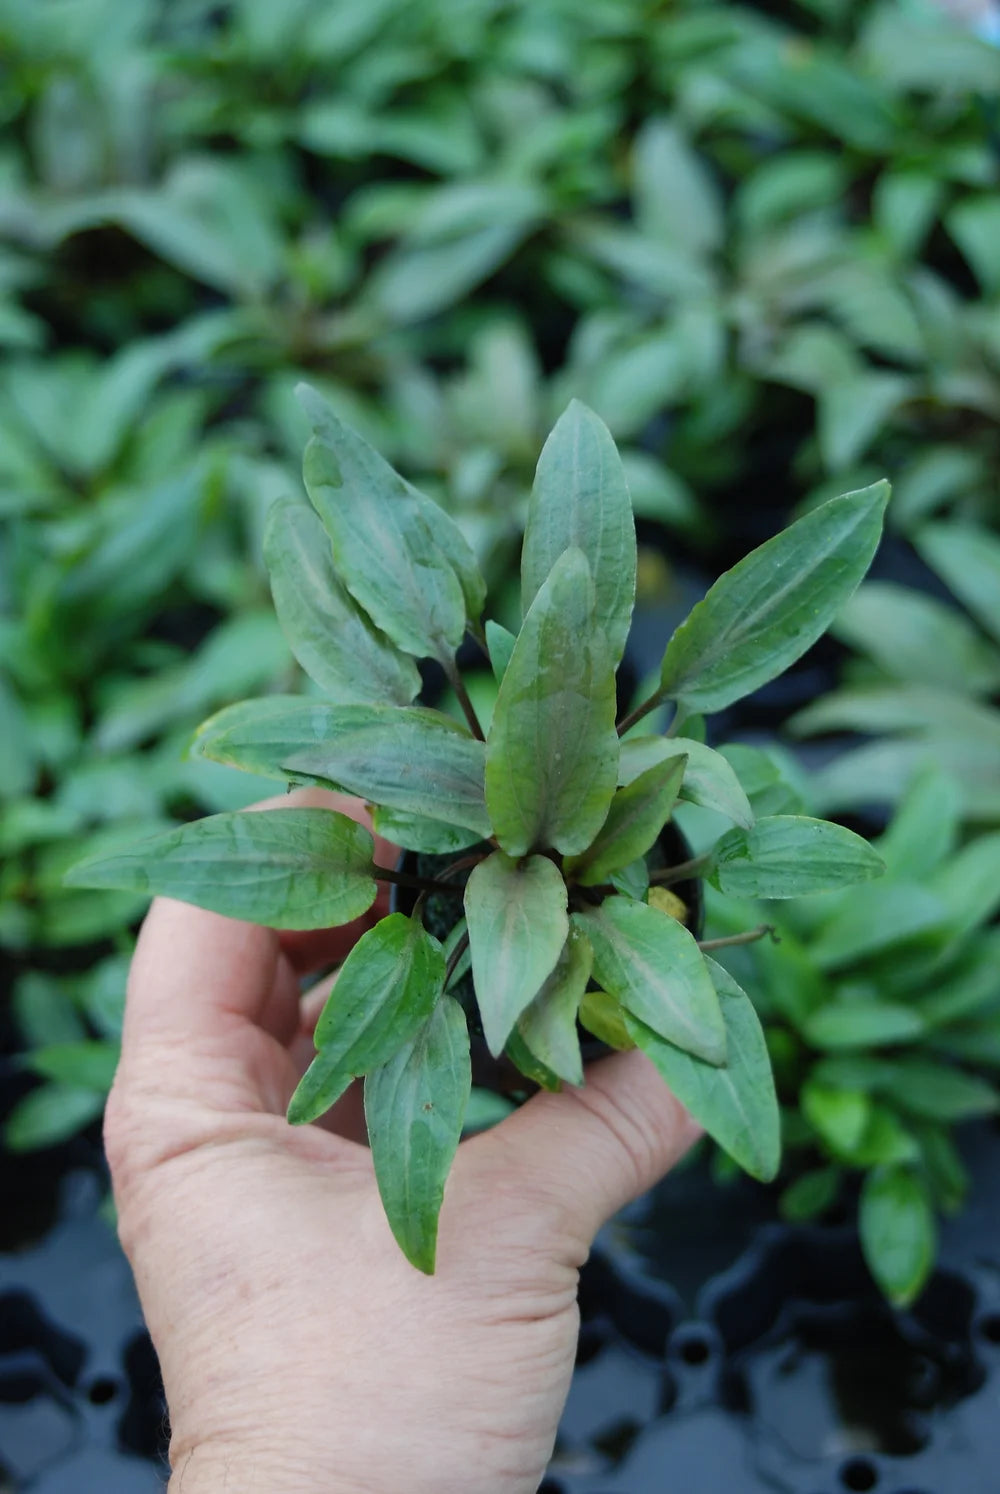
[554,815]
[881,1007]
[926,684]
[760,246]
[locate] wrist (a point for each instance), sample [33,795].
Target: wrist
[220,1467]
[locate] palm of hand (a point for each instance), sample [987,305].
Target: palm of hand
[295,1340]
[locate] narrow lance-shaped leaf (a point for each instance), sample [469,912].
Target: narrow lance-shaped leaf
[413,760]
[637,815]
[328,633]
[500,642]
[736,1104]
[548,1025]
[898,1234]
[967,556]
[580,500]
[387,988]
[653,965]
[764,613]
[552,750]
[400,555]
[709,780]
[406,758]
[288,869]
[414,1106]
[789,855]
[518,925]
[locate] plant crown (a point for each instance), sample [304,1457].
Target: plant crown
[554,813]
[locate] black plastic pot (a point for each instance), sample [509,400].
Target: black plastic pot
[442,912]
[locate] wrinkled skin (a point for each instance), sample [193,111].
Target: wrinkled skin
[300,1352]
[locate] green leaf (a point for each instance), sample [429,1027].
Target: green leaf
[924,830]
[853,410]
[552,750]
[967,557]
[416,761]
[653,965]
[709,780]
[548,1025]
[915,637]
[633,880]
[944,1167]
[974,224]
[288,869]
[49,1115]
[401,556]
[79,1065]
[969,884]
[787,855]
[839,1115]
[500,642]
[736,1104]
[762,777]
[898,1235]
[386,989]
[602,1015]
[404,758]
[415,1106]
[328,633]
[637,815]
[868,920]
[518,925]
[862,1024]
[939,1092]
[966,988]
[810,1195]
[677,200]
[580,500]
[886,1141]
[415,833]
[763,614]
[521,1056]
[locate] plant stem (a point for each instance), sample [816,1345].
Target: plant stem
[684,870]
[750,937]
[627,722]
[455,957]
[463,863]
[421,884]
[468,709]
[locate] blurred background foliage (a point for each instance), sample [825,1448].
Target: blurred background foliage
[761,242]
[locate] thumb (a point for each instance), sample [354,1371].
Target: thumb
[590,1150]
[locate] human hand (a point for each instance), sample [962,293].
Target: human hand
[300,1351]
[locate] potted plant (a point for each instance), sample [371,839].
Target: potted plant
[552,816]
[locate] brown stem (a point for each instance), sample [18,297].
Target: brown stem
[455,957]
[468,709]
[749,937]
[463,863]
[627,722]
[421,884]
[666,876]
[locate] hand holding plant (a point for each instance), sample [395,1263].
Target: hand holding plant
[555,817]
[300,1352]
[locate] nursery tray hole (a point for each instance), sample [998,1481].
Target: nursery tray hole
[102,1391]
[616,1442]
[989,1327]
[859,1475]
[694,1349]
